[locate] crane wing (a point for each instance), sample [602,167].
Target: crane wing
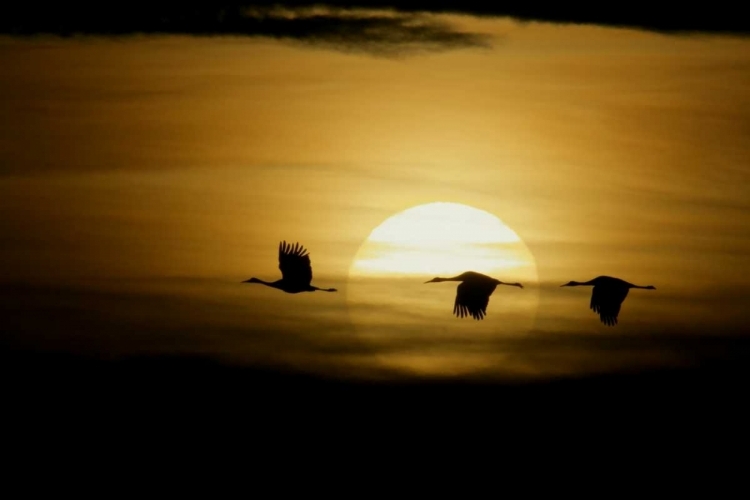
[472,299]
[294,263]
[606,303]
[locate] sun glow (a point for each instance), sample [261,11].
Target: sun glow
[447,238]
[411,323]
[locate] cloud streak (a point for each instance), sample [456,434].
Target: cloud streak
[382,33]
[385,34]
[379,27]
[230,17]
[699,18]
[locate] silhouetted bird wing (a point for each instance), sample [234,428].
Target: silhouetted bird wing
[294,263]
[472,299]
[606,302]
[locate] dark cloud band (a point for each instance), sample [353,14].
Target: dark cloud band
[379,26]
[382,32]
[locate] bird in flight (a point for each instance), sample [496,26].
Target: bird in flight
[296,271]
[473,294]
[608,295]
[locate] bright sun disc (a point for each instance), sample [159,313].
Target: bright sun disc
[410,323]
[439,238]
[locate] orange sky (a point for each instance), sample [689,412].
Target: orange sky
[142,179]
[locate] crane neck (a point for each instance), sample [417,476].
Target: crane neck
[262,282]
[580,283]
[454,278]
[519,285]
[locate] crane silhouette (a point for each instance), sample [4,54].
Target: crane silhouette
[608,295]
[296,271]
[473,294]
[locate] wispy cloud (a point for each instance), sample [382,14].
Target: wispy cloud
[378,33]
[382,33]
[230,17]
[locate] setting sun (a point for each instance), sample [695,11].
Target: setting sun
[389,271]
[441,238]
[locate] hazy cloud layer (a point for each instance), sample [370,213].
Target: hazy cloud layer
[314,335]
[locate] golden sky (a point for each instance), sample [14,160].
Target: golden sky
[142,179]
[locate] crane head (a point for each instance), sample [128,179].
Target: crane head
[252,280]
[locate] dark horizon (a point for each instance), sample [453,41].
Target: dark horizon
[720,357]
[192,407]
[704,399]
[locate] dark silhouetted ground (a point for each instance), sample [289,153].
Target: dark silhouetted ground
[65,395]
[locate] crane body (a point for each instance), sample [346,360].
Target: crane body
[296,271]
[473,294]
[607,296]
